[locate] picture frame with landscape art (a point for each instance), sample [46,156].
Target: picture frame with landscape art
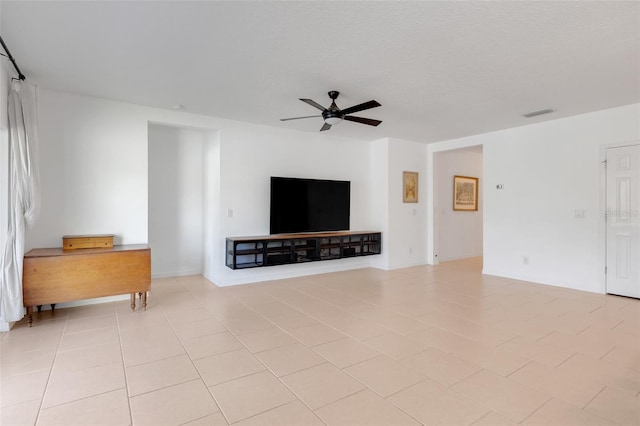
[465,193]
[409,187]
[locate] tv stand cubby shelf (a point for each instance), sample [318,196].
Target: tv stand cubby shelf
[284,249]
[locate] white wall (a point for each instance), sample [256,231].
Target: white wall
[176,200]
[93,156]
[211,221]
[403,225]
[379,196]
[407,221]
[548,170]
[95,172]
[249,158]
[458,233]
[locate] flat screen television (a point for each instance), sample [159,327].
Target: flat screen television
[309,205]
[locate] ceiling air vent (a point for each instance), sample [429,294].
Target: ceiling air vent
[535,113]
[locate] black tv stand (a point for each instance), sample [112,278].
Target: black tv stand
[284,249]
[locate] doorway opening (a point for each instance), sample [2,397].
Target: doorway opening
[181,193]
[457,234]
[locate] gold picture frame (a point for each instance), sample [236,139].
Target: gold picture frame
[409,187]
[465,193]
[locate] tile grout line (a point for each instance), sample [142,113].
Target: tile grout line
[44,392]
[583,330]
[617,325]
[315,317]
[518,369]
[537,409]
[607,353]
[326,361]
[235,336]
[275,408]
[594,397]
[215,401]
[546,335]
[448,388]
[124,368]
[576,353]
[491,411]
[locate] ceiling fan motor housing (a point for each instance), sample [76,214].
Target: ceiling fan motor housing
[333,111]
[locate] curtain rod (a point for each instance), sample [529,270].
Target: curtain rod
[13,61]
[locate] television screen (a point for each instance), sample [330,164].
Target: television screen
[309,205]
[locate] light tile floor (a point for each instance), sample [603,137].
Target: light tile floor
[426,345]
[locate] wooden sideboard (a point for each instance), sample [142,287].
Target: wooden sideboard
[54,275]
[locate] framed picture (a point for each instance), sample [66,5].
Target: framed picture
[409,187]
[465,193]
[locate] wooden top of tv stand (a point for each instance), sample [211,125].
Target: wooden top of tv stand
[302,236]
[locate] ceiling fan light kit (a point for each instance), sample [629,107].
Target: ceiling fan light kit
[334,115]
[332,121]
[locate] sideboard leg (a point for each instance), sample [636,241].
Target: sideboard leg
[30,315]
[133,301]
[144,300]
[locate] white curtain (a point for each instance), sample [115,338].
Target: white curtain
[24,197]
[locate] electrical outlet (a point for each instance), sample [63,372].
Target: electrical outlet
[410,250]
[525,260]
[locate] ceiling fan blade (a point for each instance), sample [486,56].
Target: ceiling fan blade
[298,118]
[361,107]
[313,104]
[325,126]
[369,121]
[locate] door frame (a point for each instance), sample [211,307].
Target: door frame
[602,223]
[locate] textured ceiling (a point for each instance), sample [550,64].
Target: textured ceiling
[440,69]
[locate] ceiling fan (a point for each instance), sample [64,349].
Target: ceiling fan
[334,115]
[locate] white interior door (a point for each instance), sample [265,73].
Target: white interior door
[623,221]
